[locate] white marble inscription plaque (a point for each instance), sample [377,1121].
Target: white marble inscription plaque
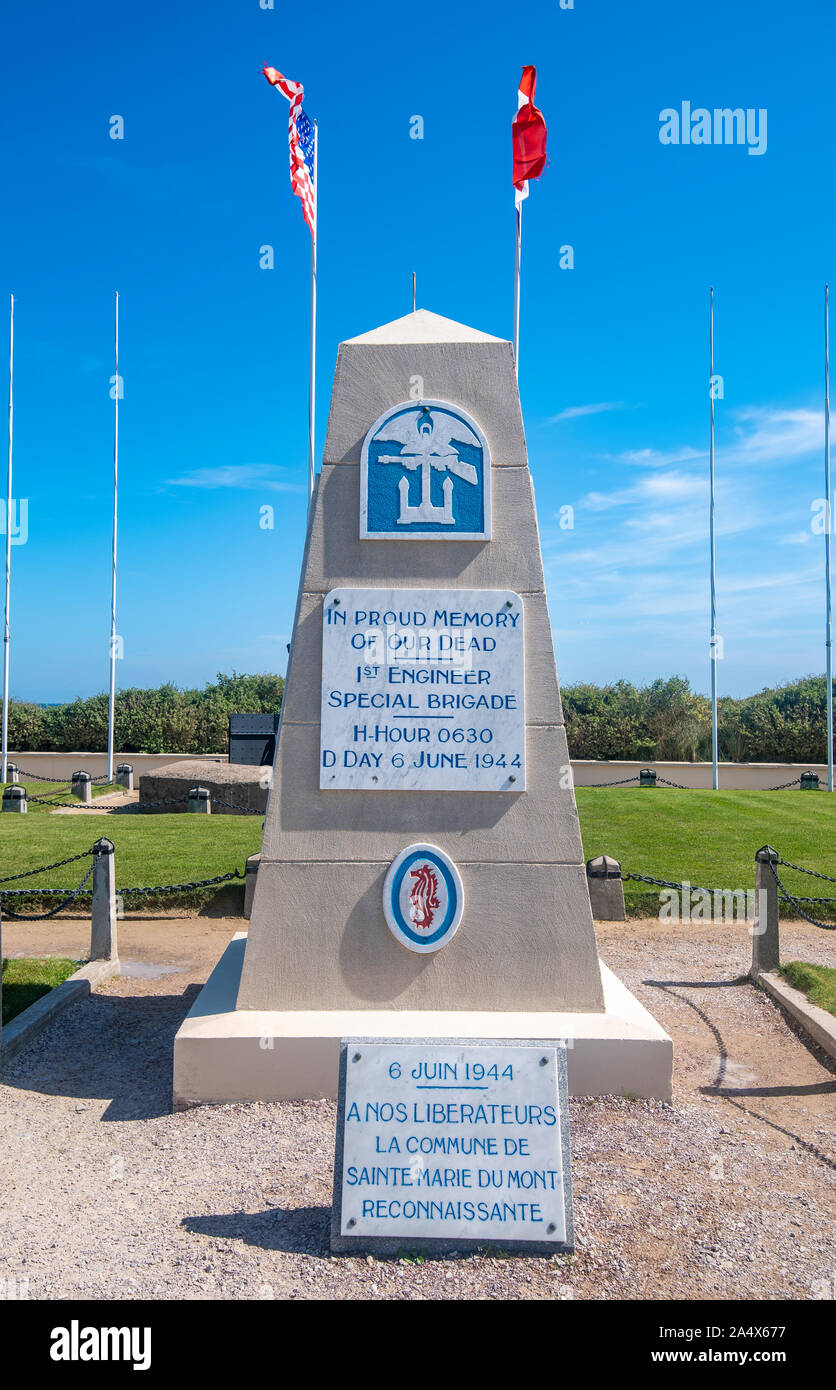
[453,1142]
[423,690]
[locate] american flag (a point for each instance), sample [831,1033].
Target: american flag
[301,142]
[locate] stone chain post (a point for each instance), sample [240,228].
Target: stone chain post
[103,938]
[82,786]
[606,889]
[200,800]
[766,953]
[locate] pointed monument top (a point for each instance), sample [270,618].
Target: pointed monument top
[421,326]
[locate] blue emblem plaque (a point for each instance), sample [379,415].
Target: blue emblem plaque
[423,898]
[425,474]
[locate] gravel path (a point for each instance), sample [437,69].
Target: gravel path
[729,1193]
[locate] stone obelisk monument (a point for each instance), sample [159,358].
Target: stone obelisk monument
[422,872]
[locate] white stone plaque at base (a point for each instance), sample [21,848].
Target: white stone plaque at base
[452,1145]
[423,690]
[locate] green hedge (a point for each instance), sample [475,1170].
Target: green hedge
[665,719]
[166,720]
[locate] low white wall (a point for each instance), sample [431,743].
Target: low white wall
[65,764]
[743,776]
[587,771]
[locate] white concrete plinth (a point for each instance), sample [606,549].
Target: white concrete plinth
[224,1055]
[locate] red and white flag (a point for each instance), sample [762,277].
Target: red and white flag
[301,142]
[528,136]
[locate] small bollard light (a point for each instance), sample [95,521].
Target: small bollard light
[14,799]
[125,776]
[12,773]
[647,777]
[200,800]
[81,785]
[809,781]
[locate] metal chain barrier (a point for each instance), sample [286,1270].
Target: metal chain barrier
[621,783]
[214,801]
[142,805]
[66,805]
[50,800]
[42,777]
[665,883]
[183,887]
[814,873]
[41,892]
[168,801]
[796,902]
[233,806]
[45,916]
[792,899]
[72,893]
[92,805]
[59,864]
[782,786]
[56,799]
[171,801]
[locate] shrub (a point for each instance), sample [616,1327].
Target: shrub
[165,720]
[666,719]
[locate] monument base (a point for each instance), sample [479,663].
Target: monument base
[224,1055]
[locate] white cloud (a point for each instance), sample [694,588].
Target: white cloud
[636,563]
[656,458]
[657,487]
[761,434]
[789,579]
[237,475]
[575,412]
[641,552]
[767,435]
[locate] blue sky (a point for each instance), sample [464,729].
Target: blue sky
[214,349]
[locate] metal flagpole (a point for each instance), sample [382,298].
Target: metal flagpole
[715,782]
[6,631]
[828,515]
[517,287]
[112,702]
[312,389]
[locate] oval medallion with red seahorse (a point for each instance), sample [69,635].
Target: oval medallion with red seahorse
[423,899]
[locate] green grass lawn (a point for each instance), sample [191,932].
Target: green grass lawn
[150,849]
[818,982]
[26,980]
[708,837]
